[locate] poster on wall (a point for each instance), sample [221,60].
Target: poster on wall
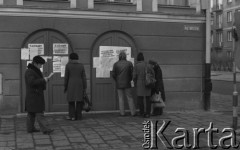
[64,61]
[25,54]
[60,48]
[108,55]
[33,52]
[39,47]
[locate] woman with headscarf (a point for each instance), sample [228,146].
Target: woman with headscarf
[159,86]
[75,85]
[139,75]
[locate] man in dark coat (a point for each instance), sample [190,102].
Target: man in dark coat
[122,74]
[34,101]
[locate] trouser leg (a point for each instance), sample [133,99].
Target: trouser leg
[130,101]
[141,105]
[121,101]
[71,109]
[79,106]
[148,105]
[30,121]
[43,124]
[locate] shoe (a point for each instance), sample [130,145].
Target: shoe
[49,131]
[134,115]
[122,115]
[73,119]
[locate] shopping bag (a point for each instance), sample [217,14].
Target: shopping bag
[87,105]
[157,101]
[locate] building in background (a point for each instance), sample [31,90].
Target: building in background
[172,32]
[223,15]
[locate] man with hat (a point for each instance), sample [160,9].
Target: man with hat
[34,101]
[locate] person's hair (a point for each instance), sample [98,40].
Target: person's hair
[73,56]
[140,57]
[152,62]
[38,60]
[122,56]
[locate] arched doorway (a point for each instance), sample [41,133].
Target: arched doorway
[104,96]
[55,99]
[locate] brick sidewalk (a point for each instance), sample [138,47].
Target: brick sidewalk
[103,131]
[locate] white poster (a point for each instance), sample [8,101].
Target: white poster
[60,49]
[39,47]
[113,51]
[33,52]
[24,54]
[57,66]
[102,73]
[46,58]
[64,61]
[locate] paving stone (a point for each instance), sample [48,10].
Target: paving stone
[77,139]
[42,142]
[61,143]
[45,147]
[95,141]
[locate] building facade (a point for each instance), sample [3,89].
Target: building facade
[172,34]
[223,19]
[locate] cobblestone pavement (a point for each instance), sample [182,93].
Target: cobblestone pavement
[111,132]
[108,131]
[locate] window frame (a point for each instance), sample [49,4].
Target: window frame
[229,36]
[229,16]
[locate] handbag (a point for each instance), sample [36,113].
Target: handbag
[149,78]
[87,105]
[157,101]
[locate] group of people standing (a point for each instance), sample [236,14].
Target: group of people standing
[124,73]
[75,85]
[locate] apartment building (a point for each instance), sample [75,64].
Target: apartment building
[223,19]
[168,31]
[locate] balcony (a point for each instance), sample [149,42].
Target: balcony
[218,8]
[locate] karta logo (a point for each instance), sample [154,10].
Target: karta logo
[152,134]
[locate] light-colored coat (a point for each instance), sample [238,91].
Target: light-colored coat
[75,81]
[139,78]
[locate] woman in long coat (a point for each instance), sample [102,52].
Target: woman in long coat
[75,85]
[139,81]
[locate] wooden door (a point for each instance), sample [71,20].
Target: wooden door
[104,95]
[55,99]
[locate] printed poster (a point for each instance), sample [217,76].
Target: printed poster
[102,73]
[56,66]
[33,52]
[108,55]
[25,54]
[60,49]
[114,51]
[39,47]
[64,61]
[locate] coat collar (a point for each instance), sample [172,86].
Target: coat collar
[73,61]
[31,66]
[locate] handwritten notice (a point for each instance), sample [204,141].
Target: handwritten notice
[102,73]
[25,54]
[60,49]
[39,47]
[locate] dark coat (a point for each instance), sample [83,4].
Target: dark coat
[139,78]
[35,85]
[122,73]
[75,82]
[159,86]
